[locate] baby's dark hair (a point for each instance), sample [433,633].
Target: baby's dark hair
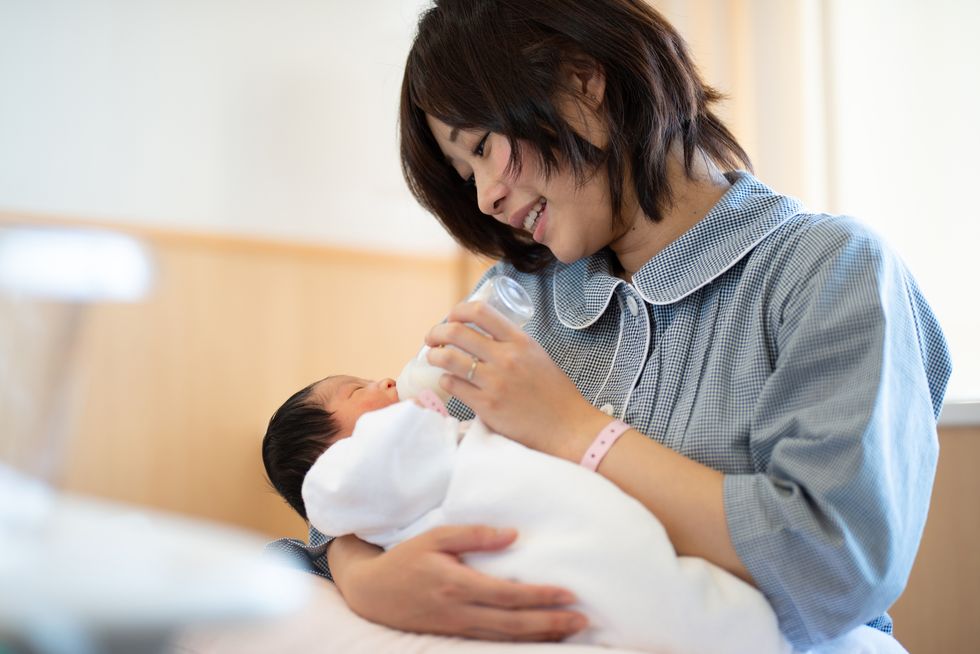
[298,433]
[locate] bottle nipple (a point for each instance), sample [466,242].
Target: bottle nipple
[418,375]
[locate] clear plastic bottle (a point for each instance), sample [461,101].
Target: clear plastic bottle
[503,294]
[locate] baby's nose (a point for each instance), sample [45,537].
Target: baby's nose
[386,383]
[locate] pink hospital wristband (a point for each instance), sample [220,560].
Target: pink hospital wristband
[606,438]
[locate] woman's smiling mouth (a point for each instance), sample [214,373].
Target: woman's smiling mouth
[531,219]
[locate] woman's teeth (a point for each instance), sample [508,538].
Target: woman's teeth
[532,215]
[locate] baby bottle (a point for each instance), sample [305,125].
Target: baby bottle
[503,294]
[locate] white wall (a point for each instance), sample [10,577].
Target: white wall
[274,118]
[905,99]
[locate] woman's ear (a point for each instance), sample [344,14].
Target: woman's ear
[585,77]
[584,82]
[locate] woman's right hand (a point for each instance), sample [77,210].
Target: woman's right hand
[421,585]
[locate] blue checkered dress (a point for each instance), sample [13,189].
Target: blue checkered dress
[794,353]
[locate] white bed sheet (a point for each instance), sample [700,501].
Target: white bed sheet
[327,626]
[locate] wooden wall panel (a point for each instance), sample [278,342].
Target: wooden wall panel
[938,611]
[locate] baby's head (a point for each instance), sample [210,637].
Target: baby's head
[312,420]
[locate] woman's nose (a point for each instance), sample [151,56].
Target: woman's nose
[490,197]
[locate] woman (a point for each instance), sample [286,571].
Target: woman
[780,370]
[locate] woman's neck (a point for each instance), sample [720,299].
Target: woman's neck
[693,198]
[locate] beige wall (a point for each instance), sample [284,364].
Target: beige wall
[171,395]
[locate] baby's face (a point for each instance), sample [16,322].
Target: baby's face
[348,398]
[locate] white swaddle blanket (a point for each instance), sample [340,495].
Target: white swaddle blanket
[408,469]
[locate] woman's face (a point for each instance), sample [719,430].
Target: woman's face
[570,220]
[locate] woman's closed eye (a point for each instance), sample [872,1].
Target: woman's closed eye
[478,150]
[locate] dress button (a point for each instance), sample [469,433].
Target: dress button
[632,305]
[607,409]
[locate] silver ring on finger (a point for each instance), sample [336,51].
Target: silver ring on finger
[472,370]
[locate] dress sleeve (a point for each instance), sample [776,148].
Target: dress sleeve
[389,473]
[843,436]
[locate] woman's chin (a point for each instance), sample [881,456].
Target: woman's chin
[565,257]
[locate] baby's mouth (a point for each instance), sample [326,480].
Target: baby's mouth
[532,216]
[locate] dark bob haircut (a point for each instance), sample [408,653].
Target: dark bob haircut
[497,65]
[299,432]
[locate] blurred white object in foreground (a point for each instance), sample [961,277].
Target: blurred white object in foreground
[50,276]
[81,576]
[74,265]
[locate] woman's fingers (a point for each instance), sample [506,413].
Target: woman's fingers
[421,585]
[461,366]
[511,595]
[515,387]
[466,343]
[486,318]
[497,609]
[524,625]
[458,539]
[494,325]
[494,345]
[490,591]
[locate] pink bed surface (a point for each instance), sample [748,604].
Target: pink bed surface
[326,625]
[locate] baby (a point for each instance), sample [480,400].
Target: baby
[351,458]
